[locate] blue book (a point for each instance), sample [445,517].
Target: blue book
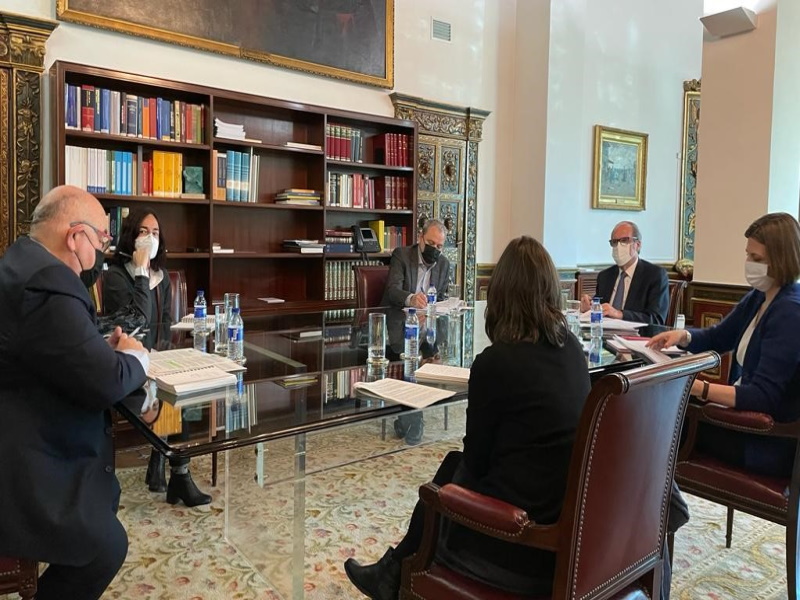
[244,190]
[105,110]
[229,177]
[237,176]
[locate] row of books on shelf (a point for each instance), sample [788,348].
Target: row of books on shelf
[349,144]
[340,385]
[339,240]
[340,282]
[101,171]
[389,236]
[304,246]
[96,109]
[356,190]
[235,176]
[116,214]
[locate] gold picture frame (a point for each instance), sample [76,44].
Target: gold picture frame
[620,169]
[355,46]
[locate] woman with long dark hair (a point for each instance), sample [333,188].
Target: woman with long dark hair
[526,393]
[136,278]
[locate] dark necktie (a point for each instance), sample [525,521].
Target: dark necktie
[619,295]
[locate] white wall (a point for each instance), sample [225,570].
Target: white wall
[619,63]
[466,71]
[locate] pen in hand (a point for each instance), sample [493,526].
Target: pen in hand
[134,332]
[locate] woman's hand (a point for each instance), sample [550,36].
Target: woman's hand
[141,257]
[666,339]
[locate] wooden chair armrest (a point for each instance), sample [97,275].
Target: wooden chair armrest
[747,421]
[481,513]
[488,515]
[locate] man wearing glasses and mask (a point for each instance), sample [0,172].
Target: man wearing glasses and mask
[633,289]
[58,491]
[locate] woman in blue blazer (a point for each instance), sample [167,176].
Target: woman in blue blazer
[763,332]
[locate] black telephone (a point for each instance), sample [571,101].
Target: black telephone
[365,240]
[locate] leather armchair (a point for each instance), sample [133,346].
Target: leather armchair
[676,287]
[735,487]
[18,576]
[370,285]
[618,488]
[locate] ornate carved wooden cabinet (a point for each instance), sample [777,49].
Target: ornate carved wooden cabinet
[447,180]
[22,41]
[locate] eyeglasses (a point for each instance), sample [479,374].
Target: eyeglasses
[103,236]
[625,241]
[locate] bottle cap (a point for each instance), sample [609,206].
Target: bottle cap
[235,310]
[412,311]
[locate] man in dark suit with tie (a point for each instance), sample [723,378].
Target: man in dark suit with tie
[412,271]
[58,491]
[633,289]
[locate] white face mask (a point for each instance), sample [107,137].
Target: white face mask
[756,275]
[148,241]
[621,253]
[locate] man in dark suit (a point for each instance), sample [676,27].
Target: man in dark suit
[412,271]
[633,289]
[58,491]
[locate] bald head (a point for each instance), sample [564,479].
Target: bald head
[63,205]
[60,223]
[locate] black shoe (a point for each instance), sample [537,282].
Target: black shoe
[414,433]
[182,487]
[400,428]
[155,478]
[380,581]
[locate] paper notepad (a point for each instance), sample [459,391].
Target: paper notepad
[195,380]
[639,346]
[443,373]
[404,392]
[187,359]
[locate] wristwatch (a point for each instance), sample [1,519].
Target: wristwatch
[688,339]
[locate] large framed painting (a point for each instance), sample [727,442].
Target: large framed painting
[344,39]
[620,169]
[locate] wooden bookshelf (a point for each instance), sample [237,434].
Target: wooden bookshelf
[341,146]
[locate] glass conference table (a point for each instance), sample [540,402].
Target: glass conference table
[321,455]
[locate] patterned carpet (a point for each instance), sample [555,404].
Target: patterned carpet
[358,507]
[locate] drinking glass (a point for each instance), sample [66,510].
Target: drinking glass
[220,329]
[376,346]
[574,317]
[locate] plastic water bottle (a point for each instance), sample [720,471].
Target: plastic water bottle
[200,325]
[430,330]
[412,335]
[596,345]
[235,336]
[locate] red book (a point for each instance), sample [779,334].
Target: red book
[376,149]
[87,108]
[153,121]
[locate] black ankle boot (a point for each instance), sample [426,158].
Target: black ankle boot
[380,581]
[182,487]
[155,479]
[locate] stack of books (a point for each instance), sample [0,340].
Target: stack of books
[232,131]
[302,146]
[303,246]
[298,196]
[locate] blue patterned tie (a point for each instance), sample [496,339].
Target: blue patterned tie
[620,293]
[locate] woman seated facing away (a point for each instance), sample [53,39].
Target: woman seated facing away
[136,278]
[526,393]
[763,331]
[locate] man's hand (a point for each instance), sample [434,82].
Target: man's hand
[611,312]
[121,341]
[586,303]
[419,300]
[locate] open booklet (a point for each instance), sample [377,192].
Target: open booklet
[443,373]
[639,346]
[186,370]
[403,392]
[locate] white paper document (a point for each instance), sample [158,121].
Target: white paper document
[443,373]
[445,307]
[195,380]
[640,347]
[404,392]
[186,359]
[609,323]
[187,323]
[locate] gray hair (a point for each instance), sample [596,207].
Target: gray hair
[434,223]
